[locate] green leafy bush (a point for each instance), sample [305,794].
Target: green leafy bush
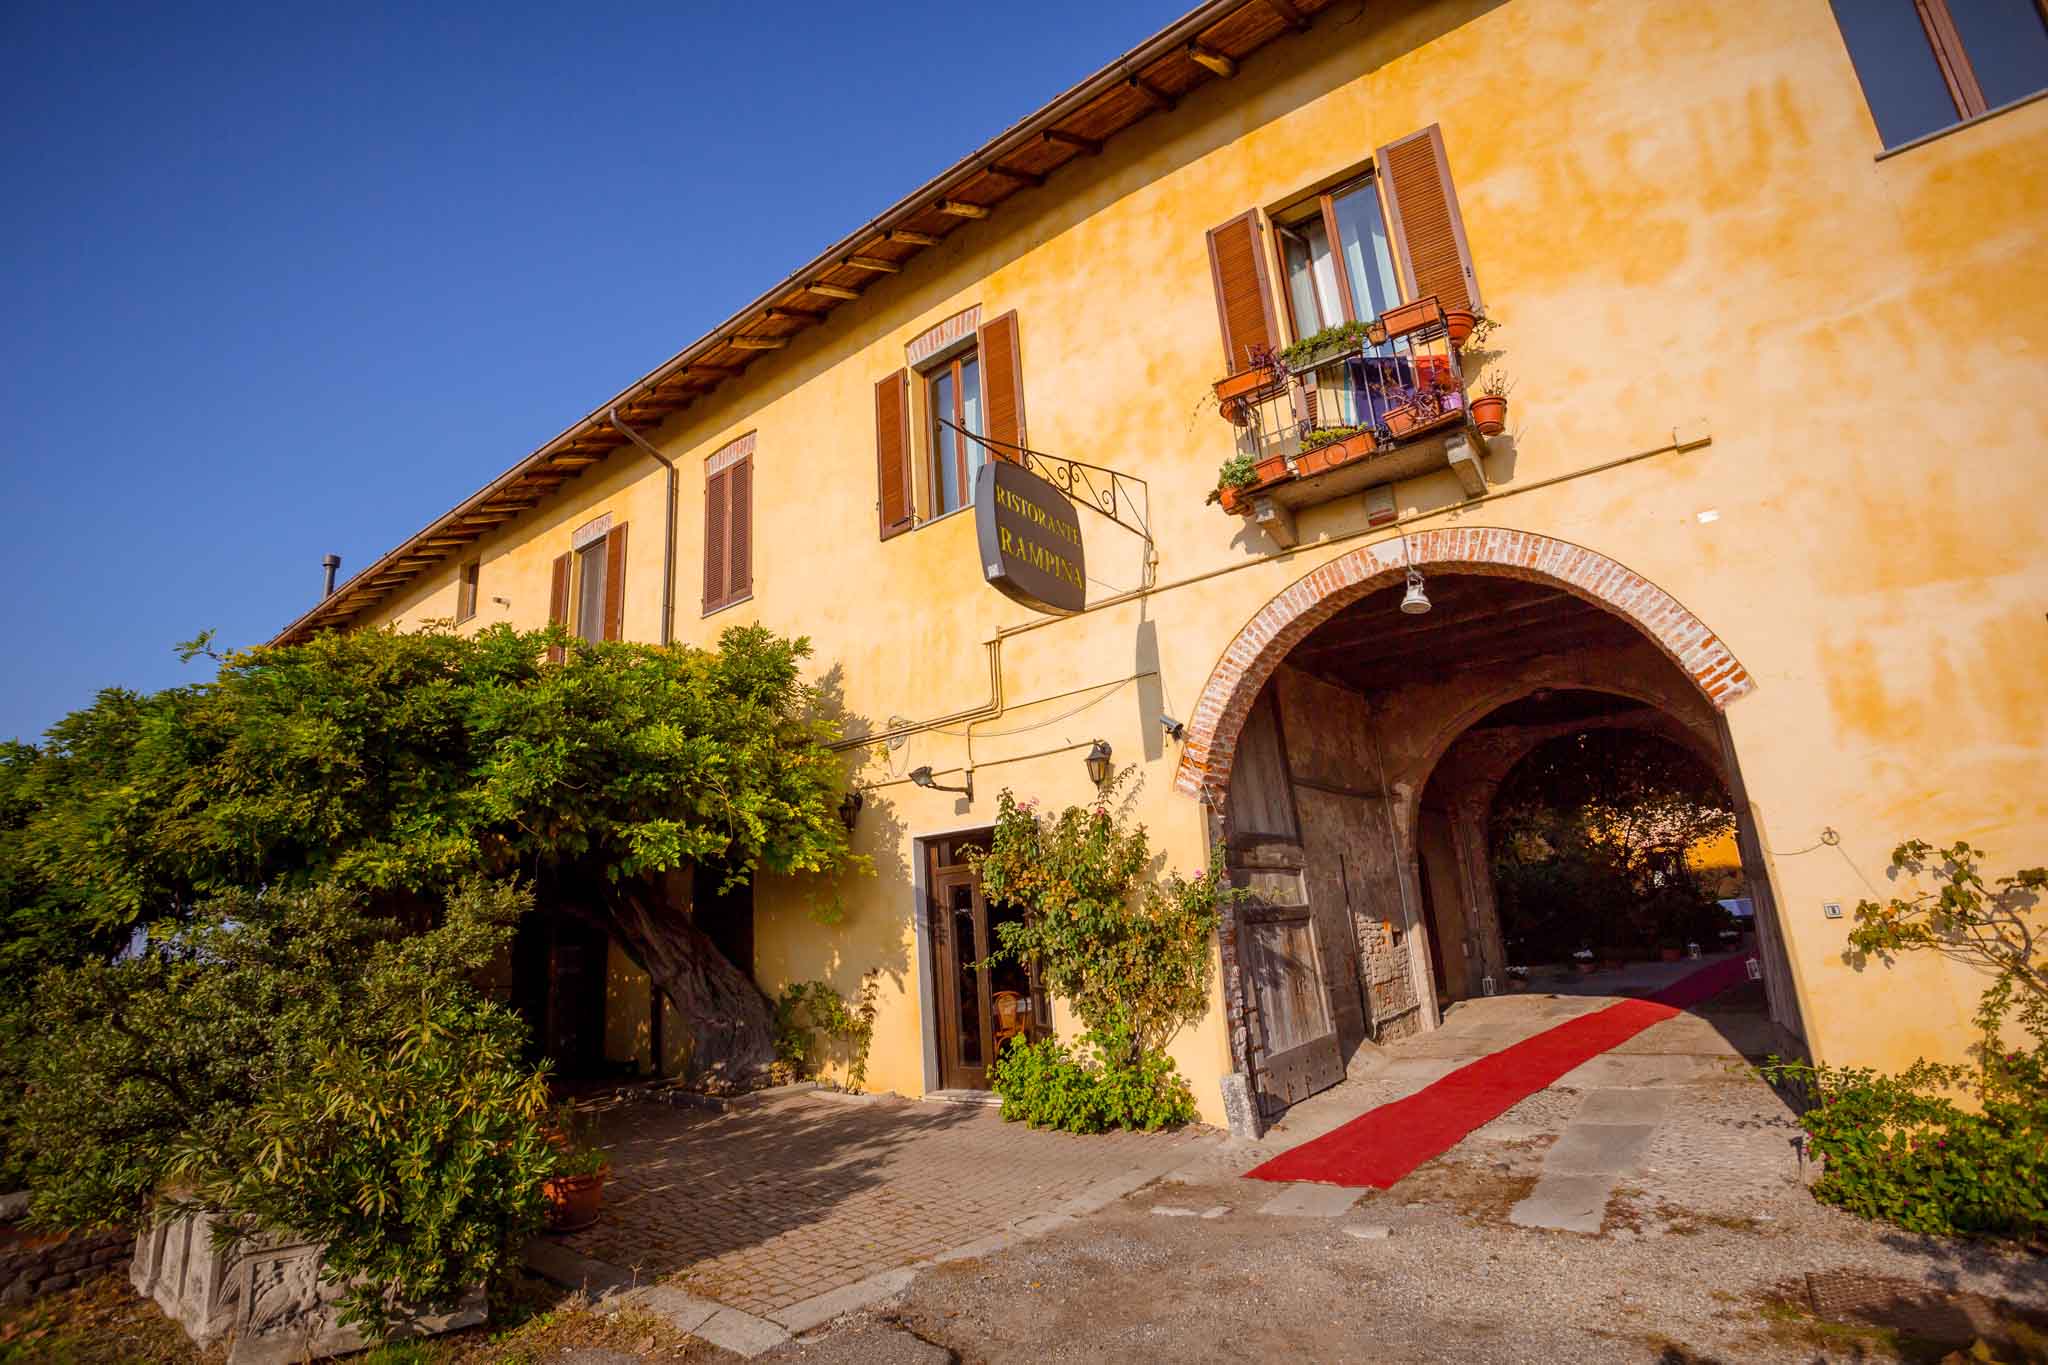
[1047,1085]
[419,1159]
[1906,1149]
[297,1064]
[809,1014]
[1239,471]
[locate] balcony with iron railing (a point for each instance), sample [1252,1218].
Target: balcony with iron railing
[1350,408]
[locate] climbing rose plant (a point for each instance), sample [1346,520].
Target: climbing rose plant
[1127,947]
[1905,1149]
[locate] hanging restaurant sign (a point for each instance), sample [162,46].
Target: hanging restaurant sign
[1030,539]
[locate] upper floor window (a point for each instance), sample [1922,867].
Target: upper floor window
[1339,265]
[953,393]
[590,578]
[1926,64]
[729,524]
[465,591]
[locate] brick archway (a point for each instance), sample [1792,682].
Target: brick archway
[1313,599]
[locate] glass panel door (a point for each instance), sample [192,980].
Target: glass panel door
[979,1007]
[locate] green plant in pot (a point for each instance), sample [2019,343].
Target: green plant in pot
[1236,474]
[575,1192]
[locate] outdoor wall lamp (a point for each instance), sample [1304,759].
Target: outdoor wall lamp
[849,807]
[1098,764]
[922,777]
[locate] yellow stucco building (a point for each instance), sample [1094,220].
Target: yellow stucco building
[1769,482]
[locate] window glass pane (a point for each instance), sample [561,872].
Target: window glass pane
[1301,290]
[945,445]
[1362,237]
[970,417]
[1324,268]
[2007,44]
[590,591]
[1901,81]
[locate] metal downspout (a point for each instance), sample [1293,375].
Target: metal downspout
[668,528]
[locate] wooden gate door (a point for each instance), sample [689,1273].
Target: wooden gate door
[1300,1054]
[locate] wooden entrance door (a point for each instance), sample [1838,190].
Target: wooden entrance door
[980,1006]
[1283,966]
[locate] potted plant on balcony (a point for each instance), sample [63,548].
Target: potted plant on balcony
[1490,406]
[1404,318]
[1416,408]
[1327,448]
[1236,475]
[1320,348]
[1235,392]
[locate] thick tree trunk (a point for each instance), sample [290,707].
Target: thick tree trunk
[731,1024]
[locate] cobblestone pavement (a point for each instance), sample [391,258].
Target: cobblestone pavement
[781,1200]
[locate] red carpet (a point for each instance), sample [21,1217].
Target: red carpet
[1381,1145]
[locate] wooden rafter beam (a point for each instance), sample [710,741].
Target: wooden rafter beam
[905,237]
[1031,178]
[961,209]
[1154,96]
[874,263]
[757,343]
[1060,137]
[831,291]
[1293,17]
[712,373]
[796,315]
[1219,62]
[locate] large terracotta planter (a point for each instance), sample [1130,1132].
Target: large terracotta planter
[574,1201]
[1233,499]
[1459,322]
[1491,413]
[1335,454]
[1233,394]
[1408,420]
[1404,318]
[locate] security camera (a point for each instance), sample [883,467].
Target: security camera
[1174,729]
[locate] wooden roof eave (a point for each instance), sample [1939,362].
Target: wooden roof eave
[1149,78]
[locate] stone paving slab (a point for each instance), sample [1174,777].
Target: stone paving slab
[1625,1106]
[1598,1148]
[1311,1201]
[1571,1203]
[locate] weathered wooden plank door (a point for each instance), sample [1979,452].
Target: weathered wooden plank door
[1300,1053]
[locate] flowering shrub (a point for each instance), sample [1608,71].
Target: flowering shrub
[1904,1148]
[1047,1085]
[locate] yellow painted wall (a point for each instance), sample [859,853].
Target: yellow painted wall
[1677,212]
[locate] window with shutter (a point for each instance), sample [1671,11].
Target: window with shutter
[728,525]
[615,583]
[953,398]
[892,454]
[558,601]
[1422,213]
[1244,299]
[1926,64]
[1002,379]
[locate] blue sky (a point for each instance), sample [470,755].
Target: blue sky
[281,280]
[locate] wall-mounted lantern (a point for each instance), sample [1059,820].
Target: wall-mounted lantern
[922,777]
[1098,764]
[849,807]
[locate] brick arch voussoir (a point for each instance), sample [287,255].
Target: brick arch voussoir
[1281,624]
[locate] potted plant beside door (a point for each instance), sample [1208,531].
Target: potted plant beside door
[575,1192]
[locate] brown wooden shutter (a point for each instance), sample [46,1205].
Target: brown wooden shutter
[1244,295]
[615,583]
[1422,214]
[739,530]
[717,495]
[892,453]
[558,602]
[1002,388]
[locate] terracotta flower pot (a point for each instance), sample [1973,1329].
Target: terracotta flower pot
[1335,454]
[1459,322]
[1491,414]
[1232,393]
[1272,470]
[574,1200]
[1232,499]
[1404,318]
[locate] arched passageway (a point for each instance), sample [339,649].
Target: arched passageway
[1316,745]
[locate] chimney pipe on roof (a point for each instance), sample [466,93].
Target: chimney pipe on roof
[329,563]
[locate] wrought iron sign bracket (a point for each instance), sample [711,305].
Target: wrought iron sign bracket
[1125,499]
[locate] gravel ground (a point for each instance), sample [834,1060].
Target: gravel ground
[1703,1254]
